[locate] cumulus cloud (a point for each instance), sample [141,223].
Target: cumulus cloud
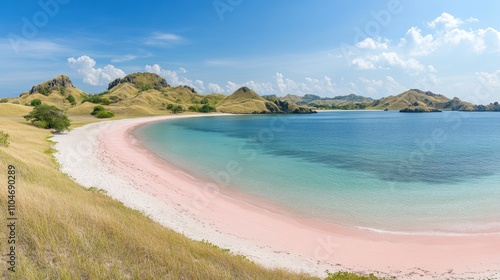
[387,60]
[446,20]
[173,77]
[384,87]
[490,79]
[215,88]
[447,33]
[369,43]
[85,66]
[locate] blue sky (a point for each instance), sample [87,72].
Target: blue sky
[329,48]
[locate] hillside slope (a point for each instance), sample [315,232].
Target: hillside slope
[428,100]
[53,92]
[246,101]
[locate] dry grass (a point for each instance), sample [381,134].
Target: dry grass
[68,232]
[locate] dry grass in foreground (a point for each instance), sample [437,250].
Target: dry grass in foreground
[66,231]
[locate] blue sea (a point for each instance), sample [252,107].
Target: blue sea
[430,173]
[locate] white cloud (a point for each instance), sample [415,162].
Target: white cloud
[490,79]
[369,43]
[385,87]
[446,20]
[420,44]
[174,79]
[387,60]
[35,48]
[480,40]
[85,66]
[472,19]
[124,58]
[164,39]
[183,70]
[215,88]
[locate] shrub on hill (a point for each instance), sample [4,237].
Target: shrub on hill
[97,109]
[35,102]
[104,114]
[194,108]
[44,90]
[101,113]
[177,109]
[47,116]
[96,99]
[207,108]
[71,99]
[4,139]
[4,100]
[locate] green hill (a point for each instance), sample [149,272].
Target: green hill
[408,98]
[318,101]
[246,101]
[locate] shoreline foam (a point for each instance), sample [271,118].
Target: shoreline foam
[104,155]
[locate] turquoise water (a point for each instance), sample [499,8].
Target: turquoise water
[388,171]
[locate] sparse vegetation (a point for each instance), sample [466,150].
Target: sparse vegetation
[35,102]
[97,109]
[104,114]
[96,99]
[71,100]
[114,99]
[144,87]
[350,276]
[203,109]
[44,90]
[4,138]
[101,113]
[62,91]
[4,100]
[177,109]
[46,116]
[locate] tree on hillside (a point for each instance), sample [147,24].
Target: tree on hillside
[47,116]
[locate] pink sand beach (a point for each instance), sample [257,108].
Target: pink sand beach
[105,155]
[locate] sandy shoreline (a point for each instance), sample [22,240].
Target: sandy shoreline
[105,155]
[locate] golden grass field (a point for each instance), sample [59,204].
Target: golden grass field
[65,231]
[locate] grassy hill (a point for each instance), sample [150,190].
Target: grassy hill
[321,102]
[428,100]
[246,101]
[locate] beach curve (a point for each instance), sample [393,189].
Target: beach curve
[106,156]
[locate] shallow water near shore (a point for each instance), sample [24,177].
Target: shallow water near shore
[386,171]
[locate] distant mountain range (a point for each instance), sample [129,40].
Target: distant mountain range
[149,94]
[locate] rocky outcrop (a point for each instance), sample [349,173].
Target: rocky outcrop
[57,83]
[192,90]
[143,80]
[287,107]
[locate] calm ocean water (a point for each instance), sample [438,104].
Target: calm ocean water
[436,173]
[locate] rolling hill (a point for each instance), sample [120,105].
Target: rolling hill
[318,101]
[246,101]
[428,101]
[146,94]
